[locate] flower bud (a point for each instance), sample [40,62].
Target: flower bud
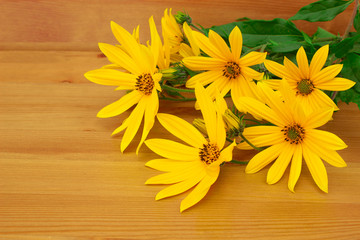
[182,17]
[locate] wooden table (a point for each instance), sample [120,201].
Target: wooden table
[63,177]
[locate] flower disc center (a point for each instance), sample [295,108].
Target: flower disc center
[231,70]
[294,133]
[145,83]
[209,153]
[304,87]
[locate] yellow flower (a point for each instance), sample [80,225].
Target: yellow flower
[192,49]
[225,69]
[197,164]
[141,77]
[171,31]
[307,81]
[293,138]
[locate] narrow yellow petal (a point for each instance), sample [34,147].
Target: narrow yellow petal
[204,43]
[277,69]
[236,41]
[336,84]
[186,51]
[242,87]
[293,72]
[177,176]
[112,77]
[220,126]
[226,153]
[220,44]
[287,92]
[168,165]
[201,189]
[263,158]
[322,100]
[155,40]
[119,57]
[260,130]
[250,73]
[189,35]
[121,105]
[272,83]
[303,63]
[318,60]
[325,139]
[182,129]
[151,109]
[135,119]
[263,140]
[204,78]
[327,74]
[204,63]
[252,58]
[257,108]
[318,118]
[295,168]
[277,170]
[208,111]
[316,168]
[172,150]
[181,186]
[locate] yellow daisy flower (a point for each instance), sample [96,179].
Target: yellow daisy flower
[141,77]
[224,68]
[171,31]
[197,164]
[307,81]
[293,138]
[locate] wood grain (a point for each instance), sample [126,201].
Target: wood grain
[63,177]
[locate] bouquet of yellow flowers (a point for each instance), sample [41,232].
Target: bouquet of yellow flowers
[262,67]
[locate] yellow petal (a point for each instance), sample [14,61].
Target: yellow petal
[121,105]
[201,189]
[295,168]
[260,130]
[293,72]
[204,78]
[303,63]
[112,77]
[204,63]
[250,73]
[168,165]
[186,51]
[135,119]
[272,83]
[321,99]
[336,84]
[252,58]
[220,126]
[177,176]
[236,41]
[264,140]
[318,118]
[188,33]
[258,109]
[327,74]
[325,139]
[226,153]
[263,158]
[173,150]
[277,170]
[119,57]
[316,168]
[151,109]
[319,60]
[220,44]
[208,111]
[244,88]
[182,129]
[204,43]
[277,69]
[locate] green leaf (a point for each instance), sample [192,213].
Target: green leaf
[357,21]
[322,33]
[258,32]
[283,47]
[345,46]
[320,11]
[351,69]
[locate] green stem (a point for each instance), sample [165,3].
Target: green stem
[248,142]
[197,28]
[334,95]
[238,162]
[177,89]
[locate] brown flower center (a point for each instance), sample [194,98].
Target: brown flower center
[144,83]
[231,70]
[209,153]
[304,87]
[294,133]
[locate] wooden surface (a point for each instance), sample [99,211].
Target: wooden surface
[63,177]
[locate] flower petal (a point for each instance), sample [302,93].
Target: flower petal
[134,121]
[263,158]
[319,59]
[295,168]
[201,189]
[236,41]
[316,168]
[204,43]
[250,73]
[182,129]
[120,105]
[327,74]
[303,63]
[263,140]
[292,70]
[277,69]
[204,63]
[204,78]
[336,84]
[220,44]
[321,99]
[172,150]
[188,33]
[112,77]
[277,170]
[325,139]
[225,155]
[168,165]
[318,118]
[252,58]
